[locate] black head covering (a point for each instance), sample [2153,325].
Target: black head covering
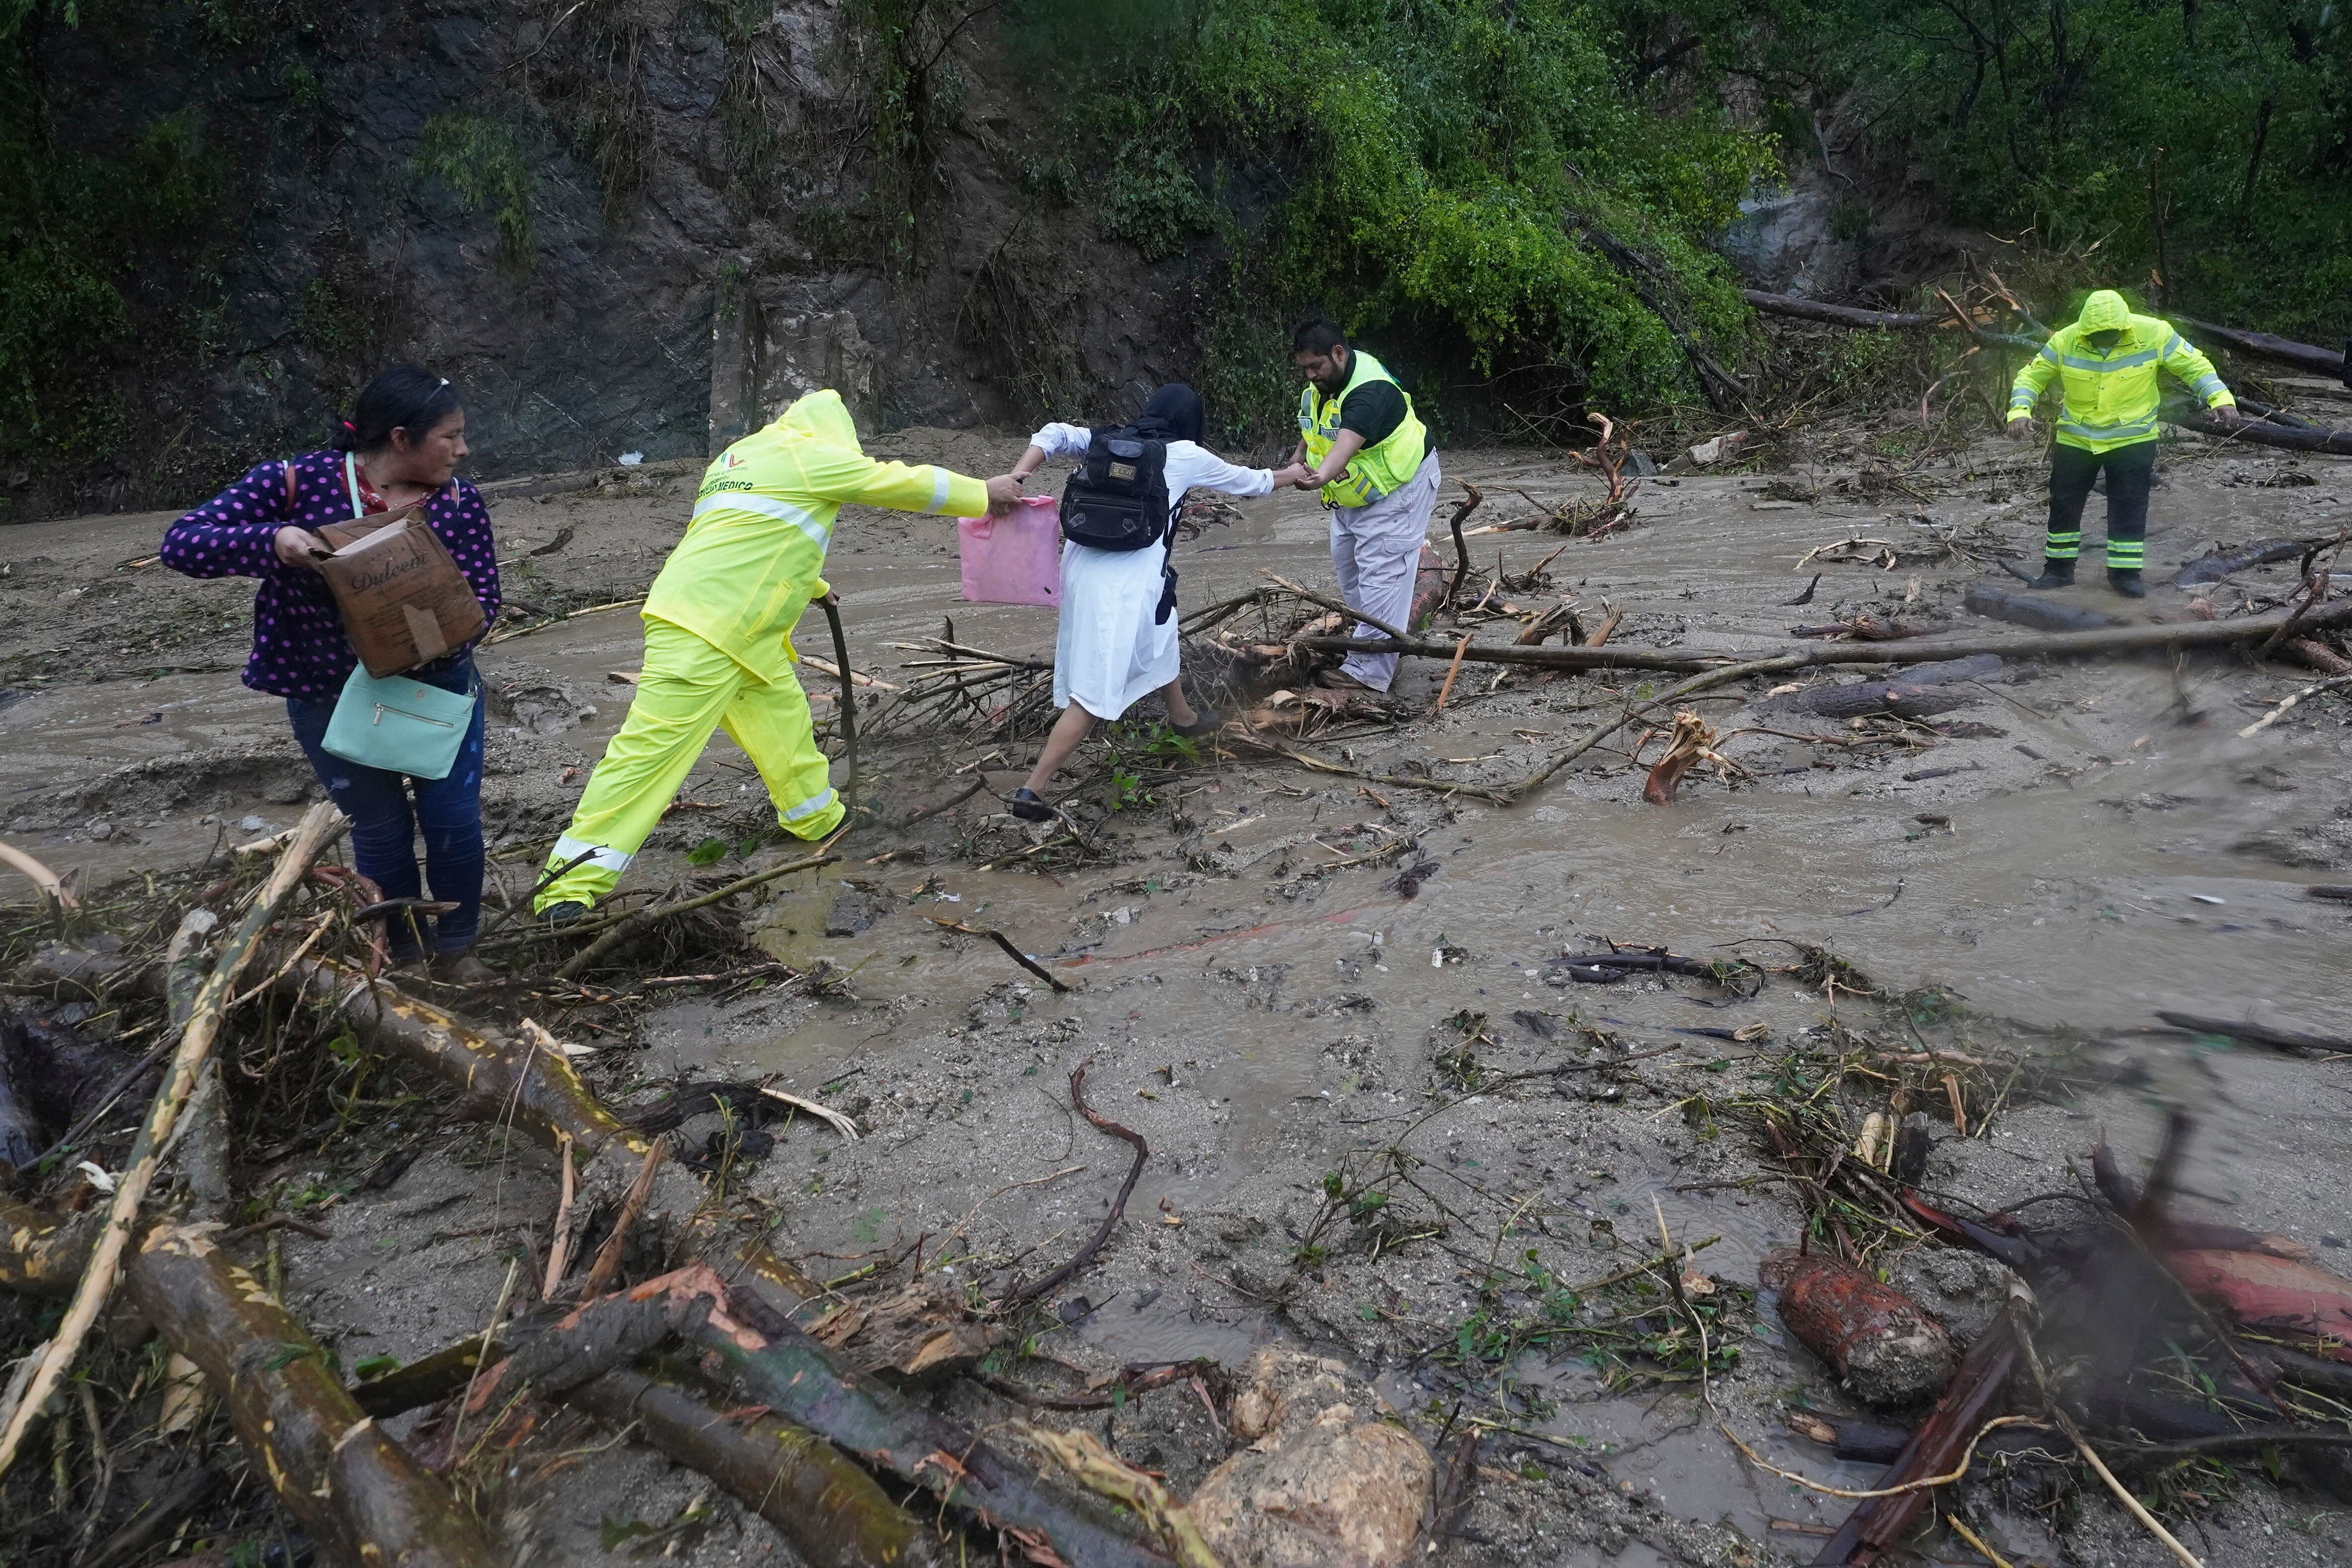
[1173,413]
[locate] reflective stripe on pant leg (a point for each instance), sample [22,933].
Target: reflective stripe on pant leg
[2131,474]
[769,720]
[685,687]
[2071,470]
[1386,537]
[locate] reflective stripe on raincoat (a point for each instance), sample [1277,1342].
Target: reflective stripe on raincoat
[753,555]
[2110,398]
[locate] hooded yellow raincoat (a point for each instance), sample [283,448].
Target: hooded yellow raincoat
[2110,396]
[719,625]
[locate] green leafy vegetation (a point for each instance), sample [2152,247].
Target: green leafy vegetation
[2209,146]
[1476,179]
[487,162]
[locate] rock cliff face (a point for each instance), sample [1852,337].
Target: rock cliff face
[621,225]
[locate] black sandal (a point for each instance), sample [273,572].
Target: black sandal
[1208,721]
[1025,805]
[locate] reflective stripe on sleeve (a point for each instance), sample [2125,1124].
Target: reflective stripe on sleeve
[939,491]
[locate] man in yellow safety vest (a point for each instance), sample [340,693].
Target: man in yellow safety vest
[1372,459]
[719,649]
[2105,365]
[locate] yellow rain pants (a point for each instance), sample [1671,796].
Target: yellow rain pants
[688,689]
[718,623]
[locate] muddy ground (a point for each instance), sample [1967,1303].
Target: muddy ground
[1264,1004]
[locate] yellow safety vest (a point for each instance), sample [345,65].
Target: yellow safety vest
[2110,398]
[1377,468]
[754,554]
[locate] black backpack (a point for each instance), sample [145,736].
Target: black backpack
[1117,498]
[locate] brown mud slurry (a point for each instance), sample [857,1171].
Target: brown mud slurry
[1267,1017]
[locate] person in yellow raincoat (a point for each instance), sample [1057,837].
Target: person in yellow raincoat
[718,651]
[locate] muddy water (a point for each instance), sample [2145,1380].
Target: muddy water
[2090,886]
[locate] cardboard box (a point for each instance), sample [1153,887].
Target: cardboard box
[405,602]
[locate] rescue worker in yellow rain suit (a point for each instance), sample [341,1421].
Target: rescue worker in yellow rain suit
[718,651]
[2106,366]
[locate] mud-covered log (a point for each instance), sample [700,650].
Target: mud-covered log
[780,1365]
[2267,346]
[2259,433]
[2313,655]
[1800,309]
[834,1513]
[2221,563]
[497,1078]
[2034,610]
[42,1254]
[537,1090]
[2256,1033]
[353,1488]
[1911,693]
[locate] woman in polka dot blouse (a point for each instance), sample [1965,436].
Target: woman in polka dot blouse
[399,448]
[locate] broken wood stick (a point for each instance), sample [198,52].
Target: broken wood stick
[834,1513]
[2255,433]
[319,825]
[1872,1531]
[1012,950]
[44,1254]
[2221,563]
[535,1090]
[1054,1281]
[1462,509]
[354,1490]
[495,1077]
[637,920]
[778,1364]
[51,885]
[2288,704]
[1339,605]
[831,604]
[1800,309]
[2125,639]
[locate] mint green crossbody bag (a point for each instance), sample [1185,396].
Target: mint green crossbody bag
[400,724]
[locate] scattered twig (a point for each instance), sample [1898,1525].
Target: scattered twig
[1054,1281]
[1012,950]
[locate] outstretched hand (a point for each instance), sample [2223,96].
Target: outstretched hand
[1004,494]
[1296,476]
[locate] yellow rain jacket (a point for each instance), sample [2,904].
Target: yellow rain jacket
[2109,399]
[753,555]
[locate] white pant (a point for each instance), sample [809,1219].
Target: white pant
[1376,552]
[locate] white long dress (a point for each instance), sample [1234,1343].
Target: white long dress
[1108,652]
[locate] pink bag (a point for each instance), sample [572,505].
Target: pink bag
[1016,558]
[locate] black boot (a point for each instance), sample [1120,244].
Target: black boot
[2054,574]
[2125,582]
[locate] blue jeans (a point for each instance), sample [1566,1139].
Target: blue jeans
[384,826]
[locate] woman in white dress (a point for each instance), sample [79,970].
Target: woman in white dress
[1118,640]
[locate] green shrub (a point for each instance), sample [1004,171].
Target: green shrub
[487,164]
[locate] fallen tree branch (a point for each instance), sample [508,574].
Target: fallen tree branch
[833,1513]
[1012,950]
[831,605]
[1461,546]
[321,825]
[2287,705]
[778,1364]
[637,920]
[354,1490]
[40,875]
[2268,346]
[1054,1281]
